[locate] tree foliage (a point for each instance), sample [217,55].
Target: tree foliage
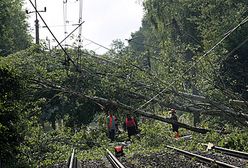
[10,103]
[169,63]
[13,27]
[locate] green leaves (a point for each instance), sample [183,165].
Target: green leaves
[164,58]
[13,28]
[11,105]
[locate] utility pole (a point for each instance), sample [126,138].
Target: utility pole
[49,43]
[37,38]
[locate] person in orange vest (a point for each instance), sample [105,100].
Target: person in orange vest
[111,125]
[130,125]
[175,127]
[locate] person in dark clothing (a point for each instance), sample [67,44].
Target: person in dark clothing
[131,126]
[116,126]
[175,127]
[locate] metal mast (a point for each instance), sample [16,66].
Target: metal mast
[37,37]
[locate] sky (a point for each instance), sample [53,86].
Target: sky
[104,20]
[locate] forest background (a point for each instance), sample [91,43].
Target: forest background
[188,55]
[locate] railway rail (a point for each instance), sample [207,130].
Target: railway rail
[235,160]
[203,159]
[72,161]
[113,160]
[230,152]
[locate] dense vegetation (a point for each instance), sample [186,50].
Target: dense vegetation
[14,35]
[188,55]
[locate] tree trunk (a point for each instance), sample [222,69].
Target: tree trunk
[146,114]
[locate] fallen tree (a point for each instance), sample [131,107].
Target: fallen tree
[104,102]
[208,107]
[147,114]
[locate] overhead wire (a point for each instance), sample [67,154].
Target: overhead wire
[79,25]
[96,43]
[210,50]
[58,25]
[130,64]
[224,57]
[227,55]
[112,62]
[204,55]
[87,44]
[97,49]
[69,57]
[160,80]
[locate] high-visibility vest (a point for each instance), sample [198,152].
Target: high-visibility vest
[130,123]
[111,122]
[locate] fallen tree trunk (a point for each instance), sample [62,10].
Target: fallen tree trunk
[240,117]
[218,105]
[126,107]
[220,109]
[146,114]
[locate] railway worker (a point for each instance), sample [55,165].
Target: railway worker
[130,125]
[111,125]
[117,131]
[175,127]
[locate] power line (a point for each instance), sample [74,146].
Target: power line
[172,82]
[205,54]
[59,25]
[87,44]
[70,34]
[211,49]
[97,43]
[227,55]
[69,57]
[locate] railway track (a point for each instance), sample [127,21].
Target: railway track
[73,162]
[208,160]
[230,152]
[113,160]
[173,158]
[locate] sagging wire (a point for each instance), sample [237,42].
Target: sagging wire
[109,49]
[204,55]
[69,57]
[227,55]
